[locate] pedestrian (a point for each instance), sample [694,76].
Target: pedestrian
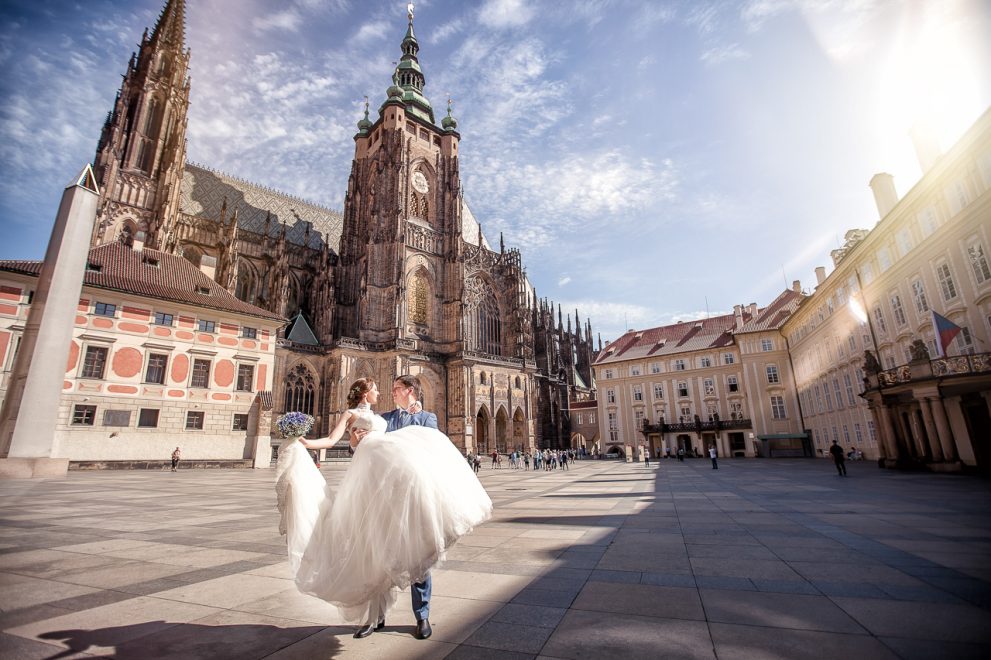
[681,454]
[646,458]
[564,460]
[712,455]
[838,458]
[667,452]
[175,459]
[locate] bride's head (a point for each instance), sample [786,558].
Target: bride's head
[363,390]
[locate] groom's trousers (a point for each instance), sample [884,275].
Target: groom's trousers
[420,591]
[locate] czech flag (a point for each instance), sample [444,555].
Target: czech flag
[945,330]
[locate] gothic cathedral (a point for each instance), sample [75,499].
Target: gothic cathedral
[402,282]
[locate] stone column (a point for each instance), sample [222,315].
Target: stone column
[927,420]
[30,408]
[943,431]
[887,428]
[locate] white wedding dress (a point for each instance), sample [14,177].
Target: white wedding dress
[406,498]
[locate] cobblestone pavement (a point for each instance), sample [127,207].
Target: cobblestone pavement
[759,559]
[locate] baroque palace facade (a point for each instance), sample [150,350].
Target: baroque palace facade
[402,282]
[855,361]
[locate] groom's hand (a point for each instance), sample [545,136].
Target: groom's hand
[414,408]
[359,434]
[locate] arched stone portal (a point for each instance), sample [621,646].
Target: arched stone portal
[519,431]
[502,422]
[482,431]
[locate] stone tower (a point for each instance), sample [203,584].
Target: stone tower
[397,275]
[142,150]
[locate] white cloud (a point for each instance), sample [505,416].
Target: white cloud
[610,319]
[505,14]
[564,280]
[372,31]
[446,30]
[724,53]
[289,20]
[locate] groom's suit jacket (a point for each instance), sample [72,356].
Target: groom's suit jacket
[399,418]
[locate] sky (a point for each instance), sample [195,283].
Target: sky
[653,161]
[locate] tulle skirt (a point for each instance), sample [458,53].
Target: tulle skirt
[407,497]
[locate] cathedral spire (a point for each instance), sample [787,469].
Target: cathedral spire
[408,77]
[171,27]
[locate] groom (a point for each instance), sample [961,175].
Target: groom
[406,391]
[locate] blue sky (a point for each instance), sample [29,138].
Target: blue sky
[652,160]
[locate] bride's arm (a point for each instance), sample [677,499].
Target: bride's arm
[335,435]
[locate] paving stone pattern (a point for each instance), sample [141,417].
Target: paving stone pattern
[760,559]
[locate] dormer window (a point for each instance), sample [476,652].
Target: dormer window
[150,261]
[95,268]
[203,290]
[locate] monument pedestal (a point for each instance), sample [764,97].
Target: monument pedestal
[33,468]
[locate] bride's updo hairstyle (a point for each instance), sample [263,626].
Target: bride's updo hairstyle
[357,391]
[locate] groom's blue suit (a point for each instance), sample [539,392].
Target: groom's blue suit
[397,419]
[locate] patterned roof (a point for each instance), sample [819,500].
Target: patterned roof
[775,314]
[684,337]
[174,278]
[471,228]
[204,191]
[687,336]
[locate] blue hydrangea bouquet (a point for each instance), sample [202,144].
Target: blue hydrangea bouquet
[294,424]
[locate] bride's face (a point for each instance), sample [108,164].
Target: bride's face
[372,395]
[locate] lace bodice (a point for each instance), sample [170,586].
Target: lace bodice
[365,419]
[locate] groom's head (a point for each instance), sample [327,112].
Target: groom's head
[405,390]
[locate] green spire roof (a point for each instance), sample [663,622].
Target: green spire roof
[408,77]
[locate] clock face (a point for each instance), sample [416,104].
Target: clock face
[420,182]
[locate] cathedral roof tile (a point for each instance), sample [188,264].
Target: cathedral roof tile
[117,267]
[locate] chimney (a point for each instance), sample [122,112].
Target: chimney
[752,308]
[138,244]
[738,315]
[926,147]
[796,286]
[208,265]
[820,275]
[883,185]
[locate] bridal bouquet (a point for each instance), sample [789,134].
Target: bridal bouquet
[294,424]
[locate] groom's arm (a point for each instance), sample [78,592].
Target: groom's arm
[430,421]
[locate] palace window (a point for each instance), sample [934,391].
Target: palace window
[245,376]
[83,415]
[207,326]
[249,333]
[709,387]
[194,420]
[608,374]
[655,367]
[635,370]
[898,310]
[904,238]
[95,362]
[679,365]
[884,259]
[928,221]
[105,309]
[161,318]
[610,396]
[728,358]
[637,393]
[155,373]
[705,362]
[686,414]
[837,393]
[734,385]
[919,294]
[772,374]
[979,263]
[879,318]
[201,373]
[682,389]
[658,391]
[148,418]
[300,388]
[240,422]
[946,284]
[736,410]
[778,407]
[766,345]
[849,390]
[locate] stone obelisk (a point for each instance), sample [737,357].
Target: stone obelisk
[30,408]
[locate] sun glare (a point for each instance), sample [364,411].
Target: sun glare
[931,80]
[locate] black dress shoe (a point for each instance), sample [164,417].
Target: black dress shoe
[365,631]
[423,629]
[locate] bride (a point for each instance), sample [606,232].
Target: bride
[406,498]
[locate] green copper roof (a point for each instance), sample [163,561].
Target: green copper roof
[408,80]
